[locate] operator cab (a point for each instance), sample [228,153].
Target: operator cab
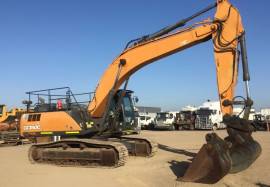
[127,114]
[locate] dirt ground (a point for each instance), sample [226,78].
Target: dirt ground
[176,148]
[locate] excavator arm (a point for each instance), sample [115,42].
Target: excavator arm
[224,30]
[217,157]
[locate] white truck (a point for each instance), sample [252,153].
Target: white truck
[266,113]
[209,116]
[239,111]
[146,121]
[165,120]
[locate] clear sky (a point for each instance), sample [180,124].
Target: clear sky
[54,43]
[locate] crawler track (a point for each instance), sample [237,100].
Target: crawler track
[139,146]
[111,153]
[80,152]
[11,138]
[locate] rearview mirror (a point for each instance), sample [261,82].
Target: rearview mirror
[136,99]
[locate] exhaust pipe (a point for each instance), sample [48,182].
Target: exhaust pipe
[219,157]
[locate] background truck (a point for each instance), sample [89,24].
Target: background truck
[259,122]
[266,113]
[239,111]
[165,120]
[185,119]
[146,121]
[209,116]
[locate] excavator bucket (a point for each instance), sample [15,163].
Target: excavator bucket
[219,157]
[211,163]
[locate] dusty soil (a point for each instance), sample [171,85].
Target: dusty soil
[176,149]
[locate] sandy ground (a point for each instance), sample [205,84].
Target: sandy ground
[176,148]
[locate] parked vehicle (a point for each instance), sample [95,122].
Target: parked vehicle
[9,126]
[185,119]
[265,111]
[138,127]
[209,116]
[165,120]
[259,122]
[146,121]
[240,112]
[9,116]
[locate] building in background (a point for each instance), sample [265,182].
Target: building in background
[149,111]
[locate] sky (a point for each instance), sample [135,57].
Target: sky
[54,43]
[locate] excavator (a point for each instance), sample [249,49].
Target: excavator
[102,144]
[9,124]
[9,116]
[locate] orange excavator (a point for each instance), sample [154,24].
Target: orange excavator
[111,109]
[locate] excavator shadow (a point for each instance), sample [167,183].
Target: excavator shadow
[262,184]
[174,150]
[178,168]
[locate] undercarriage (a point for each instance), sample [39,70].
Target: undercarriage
[112,152]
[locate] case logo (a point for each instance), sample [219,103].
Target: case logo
[31,127]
